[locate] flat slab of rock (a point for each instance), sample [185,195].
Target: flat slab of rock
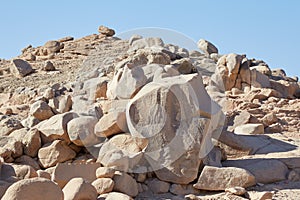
[64,172]
[250,129]
[215,179]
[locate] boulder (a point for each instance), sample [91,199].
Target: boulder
[56,152]
[78,189]
[61,104]
[96,88]
[41,110]
[122,152]
[81,131]
[105,172]
[214,178]
[52,47]
[34,188]
[228,67]
[48,66]
[16,172]
[32,142]
[161,113]
[264,170]
[106,31]
[27,160]
[207,47]
[146,43]
[55,127]
[117,195]
[125,184]
[111,124]
[103,185]
[20,68]
[250,129]
[64,172]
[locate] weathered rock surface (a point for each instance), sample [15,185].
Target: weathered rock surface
[20,68]
[214,179]
[78,188]
[34,188]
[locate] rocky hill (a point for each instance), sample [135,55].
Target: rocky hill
[104,118]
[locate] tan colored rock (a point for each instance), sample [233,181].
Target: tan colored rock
[264,170]
[32,142]
[10,148]
[20,68]
[178,189]
[81,131]
[55,127]
[264,69]
[161,113]
[157,186]
[64,172]
[56,152]
[34,188]
[15,172]
[96,88]
[111,124]
[236,190]
[8,124]
[106,31]
[122,152]
[228,68]
[103,185]
[250,129]
[41,110]
[78,188]
[269,119]
[105,172]
[117,195]
[52,47]
[253,195]
[61,104]
[48,66]
[214,179]
[125,184]
[207,47]
[30,122]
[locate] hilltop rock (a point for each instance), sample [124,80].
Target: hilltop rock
[20,68]
[207,47]
[106,31]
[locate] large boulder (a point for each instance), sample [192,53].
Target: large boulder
[125,184]
[207,47]
[55,127]
[64,172]
[215,179]
[56,152]
[34,188]
[41,110]
[20,68]
[78,189]
[177,117]
[81,131]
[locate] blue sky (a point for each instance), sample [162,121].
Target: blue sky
[262,29]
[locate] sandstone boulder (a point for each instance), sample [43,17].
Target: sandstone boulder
[111,124]
[41,110]
[55,127]
[34,188]
[103,185]
[106,31]
[64,172]
[125,184]
[161,113]
[48,66]
[81,131]
[55,152]
[20,68]
[78,188]
[214,178]
[207,47]
[250,129]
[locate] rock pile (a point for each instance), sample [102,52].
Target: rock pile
[144,120]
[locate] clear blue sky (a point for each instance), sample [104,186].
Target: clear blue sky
[263,29]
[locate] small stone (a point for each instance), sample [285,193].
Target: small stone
[117,195]
[41,110]
[48,66]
